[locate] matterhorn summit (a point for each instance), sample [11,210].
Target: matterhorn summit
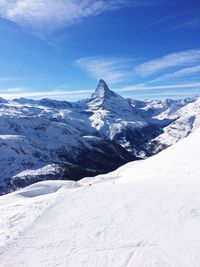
[102,91]
[105,98]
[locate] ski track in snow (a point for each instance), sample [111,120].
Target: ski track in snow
[72,232]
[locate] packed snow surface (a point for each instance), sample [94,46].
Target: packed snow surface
[145,214]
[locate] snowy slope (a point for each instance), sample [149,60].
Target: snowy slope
[144,214]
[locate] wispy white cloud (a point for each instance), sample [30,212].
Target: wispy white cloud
[184,58]
[183,73]
[189,24]
[113,70]
[184,24]
[116,70]
[167,94]
[157,22]
[6,79]
[14,90]
[11,93]
[48,15]
[163,91]
[158,87]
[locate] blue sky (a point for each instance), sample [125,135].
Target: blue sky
[60,49]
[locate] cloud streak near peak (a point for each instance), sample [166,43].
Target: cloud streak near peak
[183,58]
[113,70]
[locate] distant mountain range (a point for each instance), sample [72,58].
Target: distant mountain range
[48,139]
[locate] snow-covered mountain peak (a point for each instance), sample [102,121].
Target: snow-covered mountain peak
[102,91]
[105,98]
[113,116]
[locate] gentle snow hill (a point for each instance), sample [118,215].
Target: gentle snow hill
[144,214]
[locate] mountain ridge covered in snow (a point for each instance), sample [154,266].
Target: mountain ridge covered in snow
[48,139]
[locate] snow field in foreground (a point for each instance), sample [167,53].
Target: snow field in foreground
[142,215]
